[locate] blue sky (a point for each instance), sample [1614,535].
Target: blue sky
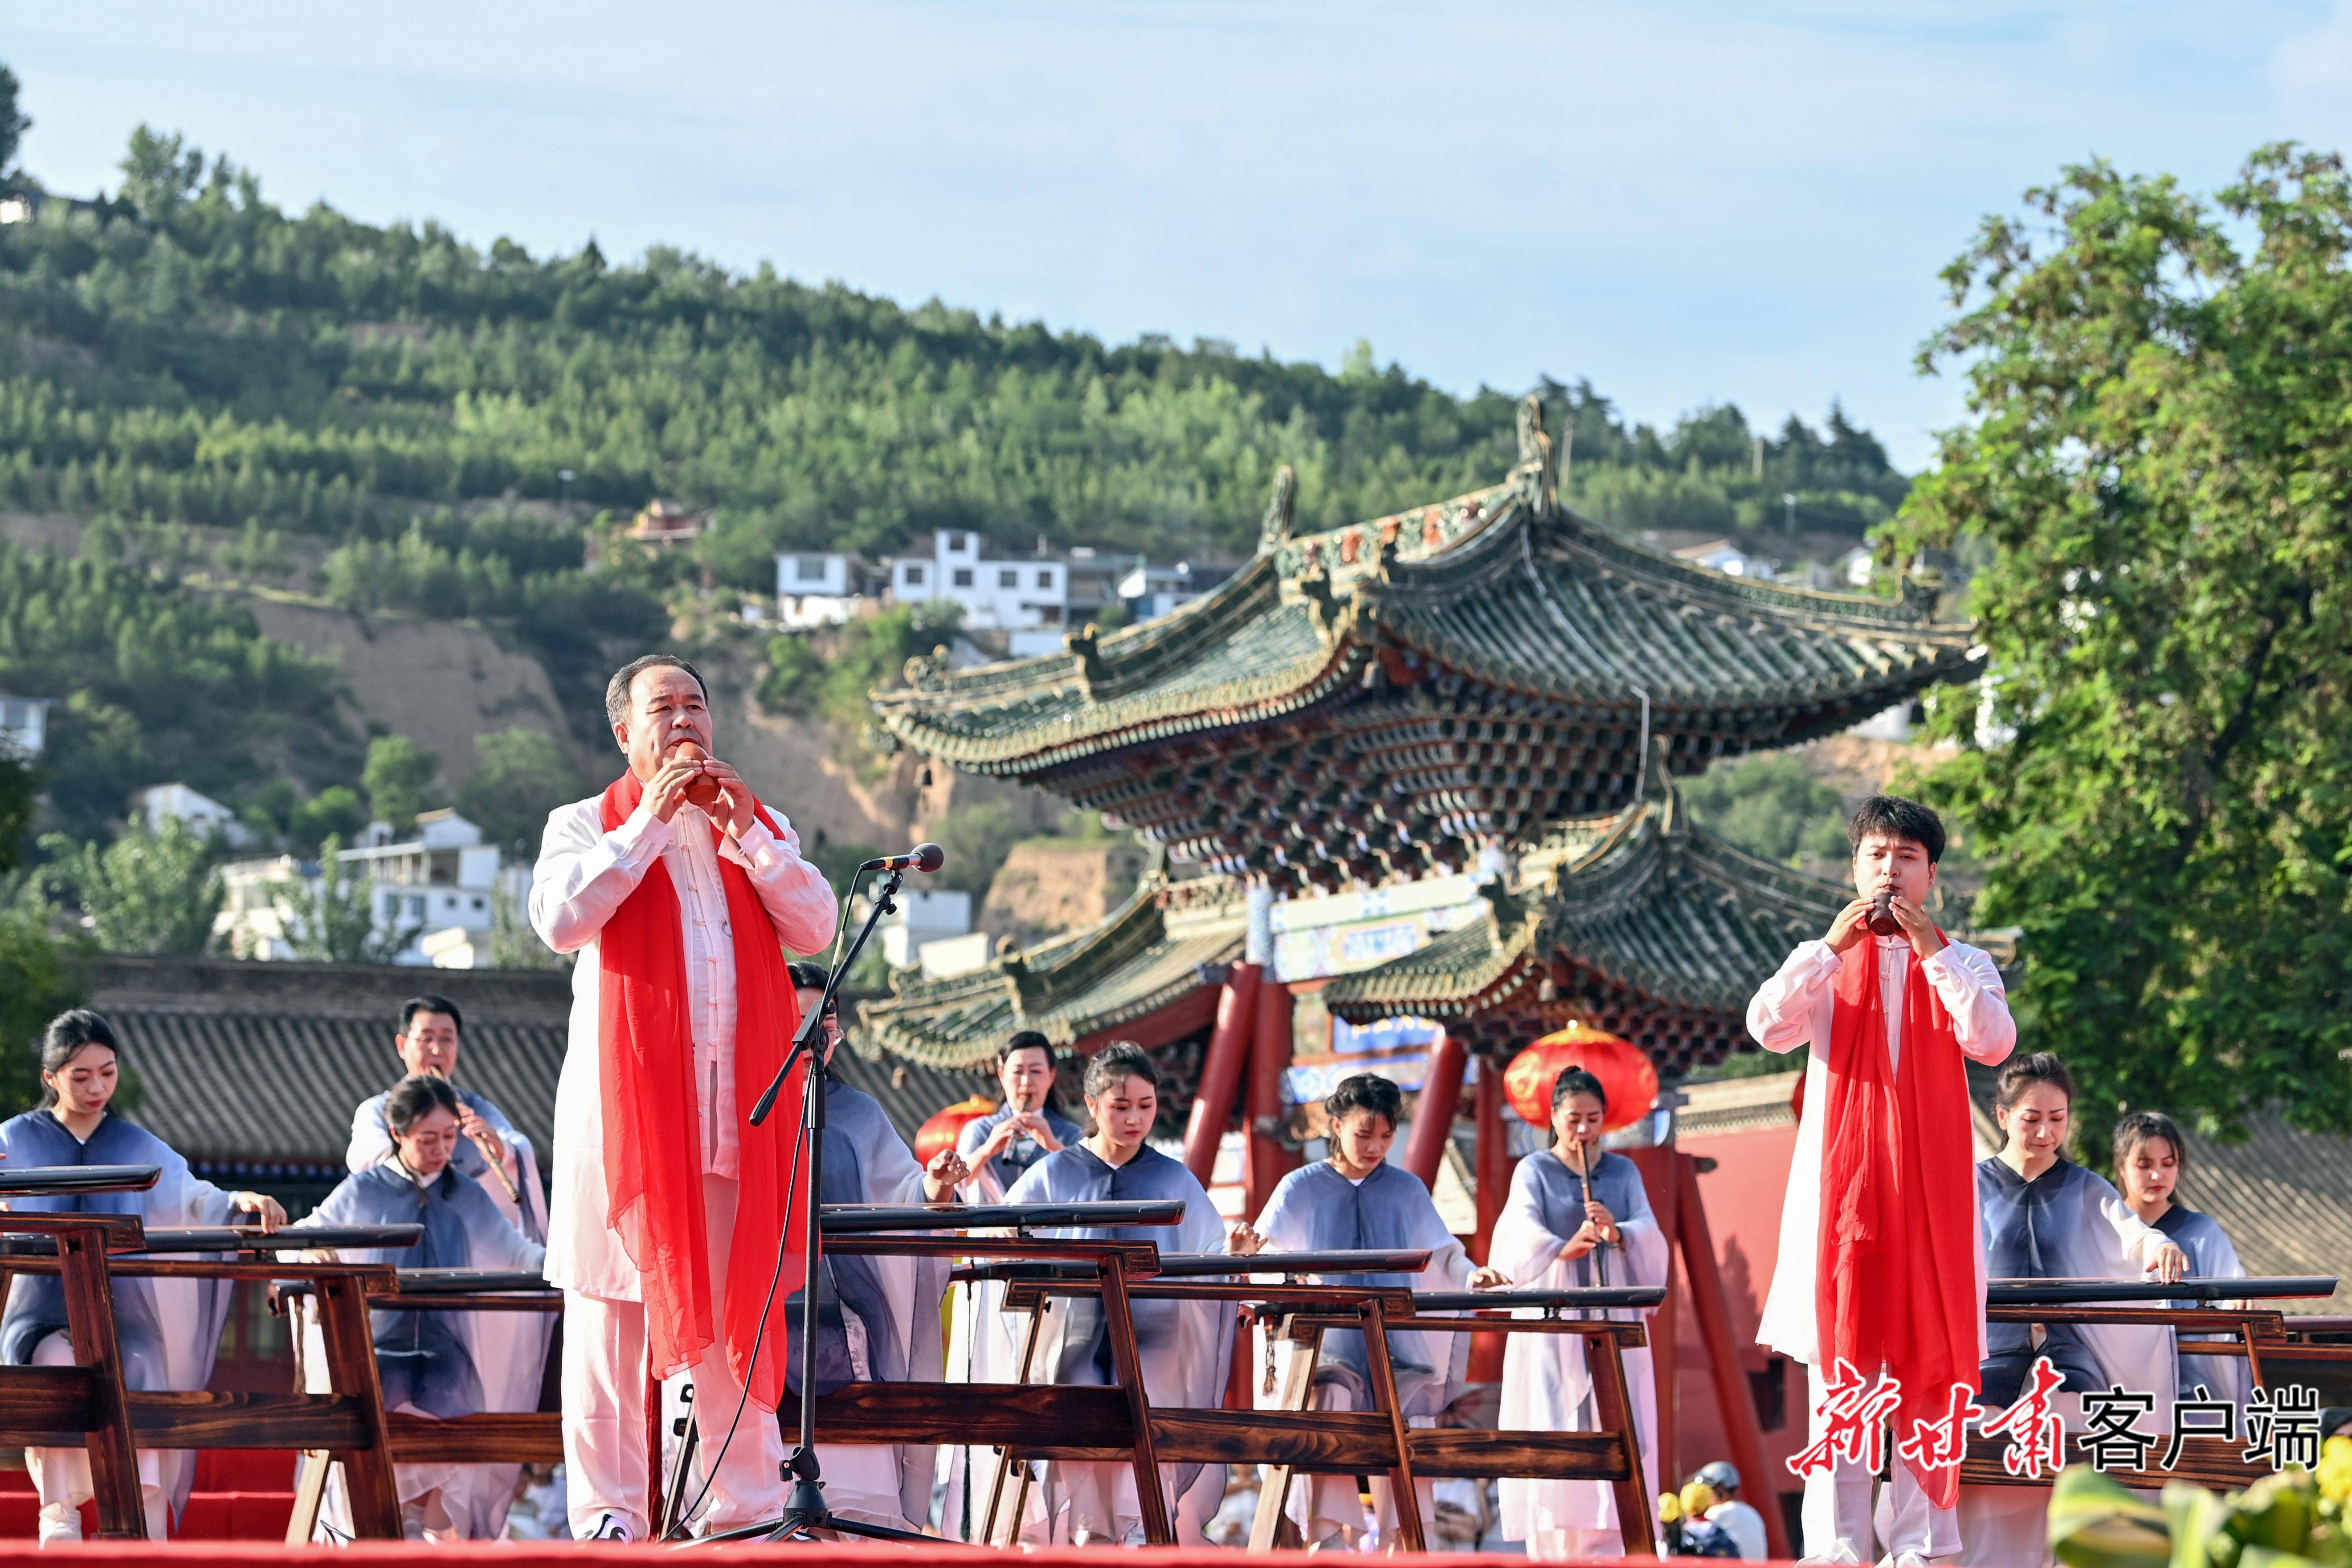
[1684,202]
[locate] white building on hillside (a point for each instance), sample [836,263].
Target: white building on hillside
[1722,555]
[1029,598]
[435,890]
[160,803]
[25,724]
[825,588]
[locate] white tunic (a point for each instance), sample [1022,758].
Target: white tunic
[583,874]
[1794,1008]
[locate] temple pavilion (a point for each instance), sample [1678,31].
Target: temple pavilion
[1430,757]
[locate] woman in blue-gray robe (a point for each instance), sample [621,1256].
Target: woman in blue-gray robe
[1356,1200]
[2042,1216]
[2151,1157]
[433,1363]
[1185,1347]
[169,1329]
[1553,1235]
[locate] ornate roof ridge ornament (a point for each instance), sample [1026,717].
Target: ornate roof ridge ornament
[1536,475]
[1281,510]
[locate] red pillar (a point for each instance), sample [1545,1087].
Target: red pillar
[1658,1180]
[1220,1071]
[1493,1171]
[1270,1162]
[1433,1119]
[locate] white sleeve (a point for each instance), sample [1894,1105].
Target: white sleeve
[371,1139]
[1523,1246]
[2139,1241]
[586,873]
[798,899]
[1781,1015]
[1968,984]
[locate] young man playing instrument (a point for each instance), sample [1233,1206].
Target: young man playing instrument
[1881,1266]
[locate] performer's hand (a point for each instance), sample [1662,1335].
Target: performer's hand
[1604,1223]
[667,791]
[1490,1278]
[998,1140]
[1244,1242]
[1585,1239]
[1926,940]
[1037,1128]
[944,1175]
[263,1206]
[2170,1264]
[734,800]
[470,1123]
[1851,926]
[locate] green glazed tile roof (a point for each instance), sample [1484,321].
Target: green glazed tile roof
[1375,702]
[1144,958]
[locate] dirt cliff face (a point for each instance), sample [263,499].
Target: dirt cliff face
[1051,886]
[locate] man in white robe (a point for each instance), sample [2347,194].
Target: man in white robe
[661,721]
[1896,846]
[431,1032]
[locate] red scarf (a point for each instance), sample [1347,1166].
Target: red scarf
[653,1124]
[1897,1276]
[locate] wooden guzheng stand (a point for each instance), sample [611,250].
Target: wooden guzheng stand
[2227,1308]
[43,1406]
[1295,1439]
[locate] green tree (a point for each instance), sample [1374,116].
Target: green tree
[513,944]
[145,892]
[519,775]
[398,778]
[333,920]
[334,812]
[40,978]
[20,793]
[1770,806]
[14,123]
[977,838]
[2159,455]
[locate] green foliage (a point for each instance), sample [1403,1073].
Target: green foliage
[867,653]
[193,353]
[795,673]
[335,812]
[14,123]
[839,862]
[977,838]
[40,978]
[513,944]
[333,920]
[20,790]
[1770,805]
[157,683]
[519,775]
[2159,459]
[145,892]
[399,779]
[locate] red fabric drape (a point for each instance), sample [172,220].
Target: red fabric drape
[653,1127]
[1896,1284]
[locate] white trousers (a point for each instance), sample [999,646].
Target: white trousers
[604,1455]
[1838,1513]
[61,1476]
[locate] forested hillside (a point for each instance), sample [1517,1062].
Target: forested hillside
[392,418]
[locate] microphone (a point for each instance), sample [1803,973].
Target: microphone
[922,858]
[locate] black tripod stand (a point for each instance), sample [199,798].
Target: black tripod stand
[804,1510]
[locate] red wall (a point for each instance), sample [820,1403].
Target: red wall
[1743,1195]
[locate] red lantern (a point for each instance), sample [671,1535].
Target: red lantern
[1626,1073]
[940,1133]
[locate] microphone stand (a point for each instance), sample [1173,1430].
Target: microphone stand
[804,1509]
